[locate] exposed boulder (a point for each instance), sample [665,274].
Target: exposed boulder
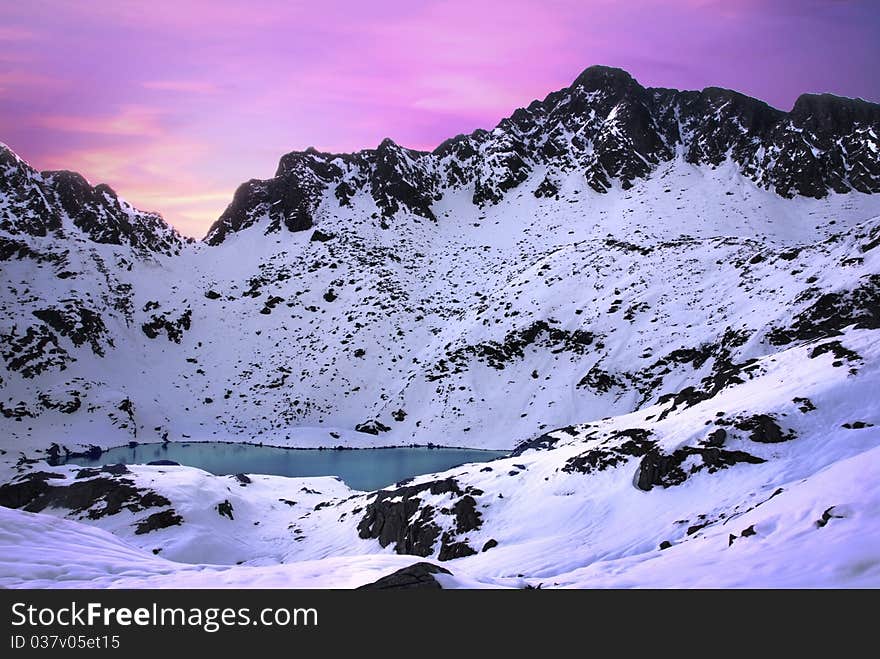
[372,427]
[764,429]
[416,576]
[156,521]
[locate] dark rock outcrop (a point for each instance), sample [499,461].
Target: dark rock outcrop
[156,521]
[37,204]
[764,429]
[831,312]
[94,497]
[372,427]
[398,516]
[542,442]
[636,444]
[224,509]
[665,470]
[416,576]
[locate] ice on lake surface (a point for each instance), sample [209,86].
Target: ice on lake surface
[361,469]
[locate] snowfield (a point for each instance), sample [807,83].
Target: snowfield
[805,517]
[640,274]
[670,316]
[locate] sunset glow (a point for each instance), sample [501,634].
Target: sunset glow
[176,103]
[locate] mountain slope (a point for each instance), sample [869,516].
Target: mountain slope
[451,297]
[606,128]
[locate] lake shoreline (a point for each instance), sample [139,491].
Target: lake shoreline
[361,469]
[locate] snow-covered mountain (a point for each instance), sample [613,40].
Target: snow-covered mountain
[686,283]
[605,128]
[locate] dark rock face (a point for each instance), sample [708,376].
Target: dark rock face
[172,327]
[319,236]
[467,518]
[397,180]
[725,371]
[764,429]
[599,380]
[450,550]
[540,443]
[831,312]
[23,187]
[288,200]
[18,249]
[857,425]
[91,452]
[69,403]
[827,516]
[372,427]
[79,324]
[665,470]
[113,470]
[837,349]
[716,438]
[416,576]
[39,202]
[601,458]
[156,521]
[605,126]
[498,354]
[831,124]
[95,497]
[224,509]
[398,516]
[33,351]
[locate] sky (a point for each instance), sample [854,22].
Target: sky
[174,104]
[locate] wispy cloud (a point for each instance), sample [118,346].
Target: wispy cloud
[133,120]
[25,82]
[184,86]
[461,92]
[156,174]
[15,33]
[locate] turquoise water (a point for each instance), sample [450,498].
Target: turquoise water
[361,469]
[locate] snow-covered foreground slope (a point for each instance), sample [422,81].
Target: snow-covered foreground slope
[787,495]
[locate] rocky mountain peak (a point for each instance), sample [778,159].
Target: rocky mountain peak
[827,113]
[606,78]
[8,158]
[37,203]
[606,127]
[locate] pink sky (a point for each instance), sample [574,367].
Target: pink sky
[176,103]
